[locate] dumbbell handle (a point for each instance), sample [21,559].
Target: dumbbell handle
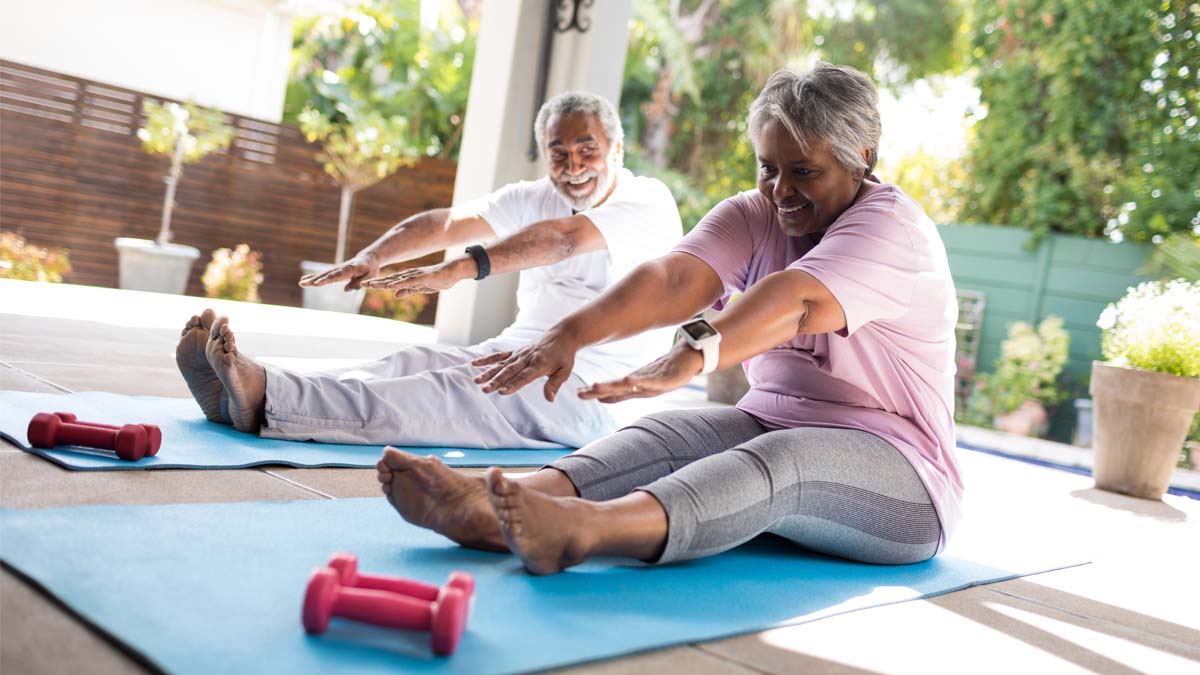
[153,435]
[381,608]
[73,433]
[415,589]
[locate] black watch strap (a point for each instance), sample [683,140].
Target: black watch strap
[482,261]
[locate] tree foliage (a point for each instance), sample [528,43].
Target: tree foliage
[694,67]
[1091,116]
[377,61]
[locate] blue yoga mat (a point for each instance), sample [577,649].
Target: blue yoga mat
[208,588]
[192,442]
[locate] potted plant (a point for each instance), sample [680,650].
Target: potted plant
[25,262]
[1147,391]
[359,149]
[233,274]
[1024,382]
[185,133]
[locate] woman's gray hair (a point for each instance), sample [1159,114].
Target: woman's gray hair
[833,105]
[586,102]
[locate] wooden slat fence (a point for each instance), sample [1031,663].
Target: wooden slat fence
[73,174]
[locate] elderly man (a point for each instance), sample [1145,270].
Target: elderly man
[571,234]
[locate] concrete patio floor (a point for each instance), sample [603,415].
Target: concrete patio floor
[1134,609]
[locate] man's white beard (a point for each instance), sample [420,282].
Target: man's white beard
[585,202]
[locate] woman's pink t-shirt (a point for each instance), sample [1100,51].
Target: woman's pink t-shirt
[890,372]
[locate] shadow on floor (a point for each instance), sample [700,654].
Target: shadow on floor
[1099,617]
[1145,508]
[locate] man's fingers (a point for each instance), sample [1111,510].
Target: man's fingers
[323,278]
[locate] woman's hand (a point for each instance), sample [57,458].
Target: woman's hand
[551,356]
[430,279]
[353,272]
[669,372]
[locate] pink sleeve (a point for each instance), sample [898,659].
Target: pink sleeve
[870,265]
[723,241]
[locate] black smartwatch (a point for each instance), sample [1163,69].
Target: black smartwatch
[482,261]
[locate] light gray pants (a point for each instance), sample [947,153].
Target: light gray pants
[723,478]
[426,396]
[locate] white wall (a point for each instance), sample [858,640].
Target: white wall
[229,54]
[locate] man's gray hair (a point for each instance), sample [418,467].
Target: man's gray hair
[832,105]
[580,101]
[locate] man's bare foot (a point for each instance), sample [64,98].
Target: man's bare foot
[429,494]
[192,360]
[547,533]
[244,379]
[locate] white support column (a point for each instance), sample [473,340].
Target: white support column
[499,121]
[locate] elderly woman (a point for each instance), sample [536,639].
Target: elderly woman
[845,442]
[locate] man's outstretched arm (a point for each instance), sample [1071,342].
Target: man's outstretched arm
[542,243]
[418,235]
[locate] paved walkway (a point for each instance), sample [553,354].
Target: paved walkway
[1135,609]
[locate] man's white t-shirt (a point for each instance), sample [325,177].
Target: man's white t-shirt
[639,222]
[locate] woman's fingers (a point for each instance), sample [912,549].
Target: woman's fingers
[554,383]
[516,375]
[490,359]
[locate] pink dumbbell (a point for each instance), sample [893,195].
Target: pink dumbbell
[445,617]
[47,430]
[346,565]
[153,433]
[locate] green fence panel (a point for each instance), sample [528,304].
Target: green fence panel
[1068,276]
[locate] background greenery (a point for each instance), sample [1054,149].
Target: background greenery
[1087,121]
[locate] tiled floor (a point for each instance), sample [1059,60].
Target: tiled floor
[1134,609]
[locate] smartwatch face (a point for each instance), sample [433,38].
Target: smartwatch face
[698,330]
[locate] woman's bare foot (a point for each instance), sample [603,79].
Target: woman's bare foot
[192,360]
[548,533]
[244,379]
[429,494]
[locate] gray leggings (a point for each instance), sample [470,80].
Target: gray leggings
[723,478]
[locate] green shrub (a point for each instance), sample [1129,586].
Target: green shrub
[25,262]
[385,304]
[1028,368]
[1156,326]
[234,275]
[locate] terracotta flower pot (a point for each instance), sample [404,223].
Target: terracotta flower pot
[1140,420]
[1028,420]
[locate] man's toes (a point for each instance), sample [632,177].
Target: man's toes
[219,326]
[207,318]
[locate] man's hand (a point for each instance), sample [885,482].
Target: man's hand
[353,273]
[552,356]
[670,371]
[430,279]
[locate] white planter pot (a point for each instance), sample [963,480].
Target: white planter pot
[331,298]
[145,266]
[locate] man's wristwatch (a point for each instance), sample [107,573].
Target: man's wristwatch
[702,337]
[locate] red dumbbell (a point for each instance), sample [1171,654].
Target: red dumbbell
[47,430]
[153,433]
[445,617]
[346,565]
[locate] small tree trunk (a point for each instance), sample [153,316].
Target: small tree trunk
[343,223]
[172,180]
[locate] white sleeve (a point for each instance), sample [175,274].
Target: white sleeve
[503,209]
[641,224]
